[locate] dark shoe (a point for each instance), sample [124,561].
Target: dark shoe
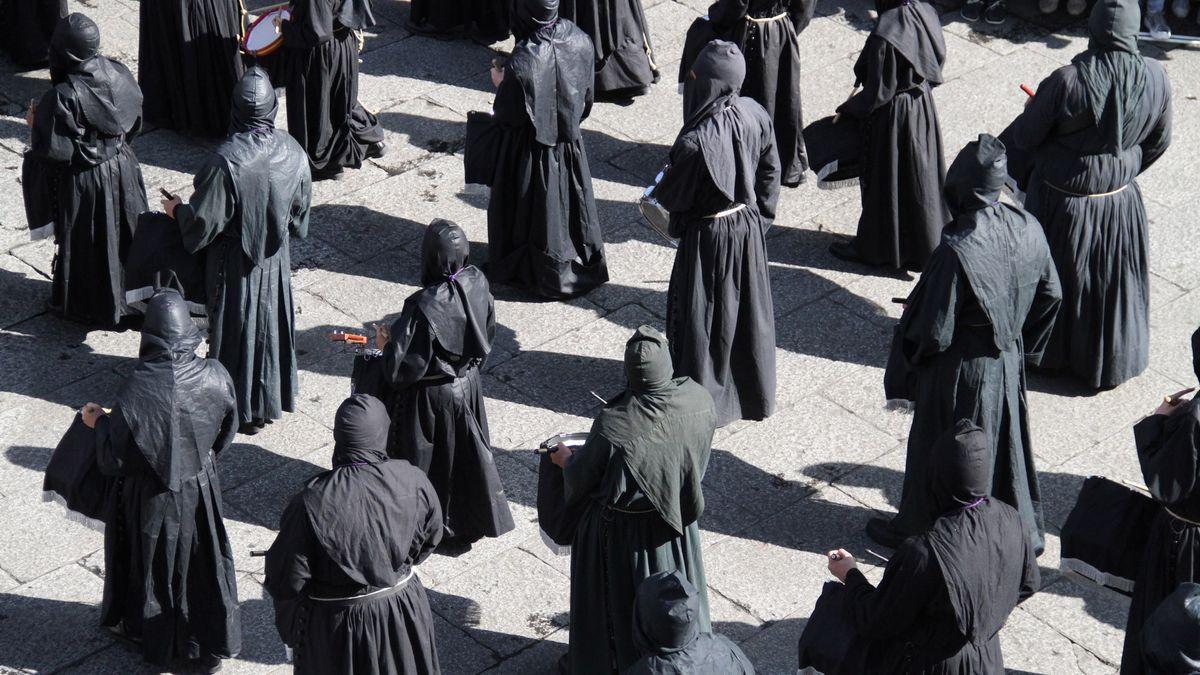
[376,150]
[995,13]
[204,664]
[328,173]
[844,250]
[249,429]
[880,531]
[972,10]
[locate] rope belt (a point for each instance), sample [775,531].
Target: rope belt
[767,20]
[727,212]
[629,511]
[383,591]
[1075,194]
[1180,518]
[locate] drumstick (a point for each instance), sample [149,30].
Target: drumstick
[1135,486]
[598,397]
[1173,399]
[166,195]
[900,301]
[257,553]
[877,555]
[1028,92]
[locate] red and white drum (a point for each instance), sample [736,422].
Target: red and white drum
[263,35]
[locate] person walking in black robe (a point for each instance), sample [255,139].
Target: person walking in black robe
[342,570]
[666,629]
[624,56]
[638,480]
[431,360]
[543,229]
[1171,641]
[484,20]
[721,187]
[984,306]
[946,593]
[169,581]
[319,60]
[903,167]
[189,61]
[1168,447]
[767,33]
[26,29]
[1092,128]
[81,181]
[249,194]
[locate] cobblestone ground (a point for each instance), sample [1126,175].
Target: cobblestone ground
[779,492]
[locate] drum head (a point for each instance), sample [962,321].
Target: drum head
[658,218]
[263,36]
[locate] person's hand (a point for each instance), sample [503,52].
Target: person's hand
[840,564]
[169,206]
[30,113]
[91,413]
[1166,408]
[383,335]
[561,456]
[497,76]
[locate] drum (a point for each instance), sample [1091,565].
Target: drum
[263,35]
[835,151]
[556,521]
[828,635]
[157,258]
[481,149]
[1106,534]
[658,218]
[74,480]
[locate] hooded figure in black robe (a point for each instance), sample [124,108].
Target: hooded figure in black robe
[902,207]
[638,476]
[189,60]
[721,186]
[169,579]
[81,181]
[946,593]
[985,304]
[342,571]
[249,194]
[666,630]
[484,20]
[1171,641]
[767,33]
[624,57]
[26,29]
[319,62]
[1168,447]
[543,229]
[431,367]
[1092,128]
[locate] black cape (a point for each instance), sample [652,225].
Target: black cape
[1171,641]
[720,314]
[660,432]
[666,630]
[79,157]
[431,369]
[985,304]
[1084,192]
[254,188]
[169,575]
[27,27]
[319,67]
[189,60]
[624,58]
[901,186]
[484,20]
[357,530]
[543,228]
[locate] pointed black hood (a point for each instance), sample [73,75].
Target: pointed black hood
[977,175]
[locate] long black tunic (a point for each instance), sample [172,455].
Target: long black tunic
[189,60]
[319,66]
[1084,192]
[901,186]
[543,228]
[1169,452]
[485,20]
[985,304]
[26,29]
[169,577]
[249,194]
[83,185]
[624,57]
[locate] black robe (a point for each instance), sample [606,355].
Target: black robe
[26,28]
[431,368]
[1171,641]
[985,304]
[485,20]
[319,66]
[624,57]
[720,313]
[638,477]
[169,577]
[543,228]
[249,194]
[189,59]
[1169,452]
[1083,190]
[83,186]
[901,186]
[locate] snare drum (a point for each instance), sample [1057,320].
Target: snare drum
[835,151]
[557,522]
[263,35]
[1106,534]
[657,217]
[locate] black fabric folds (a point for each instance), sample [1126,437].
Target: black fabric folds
[1171,638]
[624,56]
[557,90]
[27,27]
[110,101]
[484,20]
[456,299]
[1112,69]
[913,28]
[713,82]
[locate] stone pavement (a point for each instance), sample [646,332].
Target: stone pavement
[779,492]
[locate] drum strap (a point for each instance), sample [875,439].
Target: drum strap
[1075,194]
[1178,517]
[397,587]
[766,20]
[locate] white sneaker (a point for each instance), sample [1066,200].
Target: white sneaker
[1156,26]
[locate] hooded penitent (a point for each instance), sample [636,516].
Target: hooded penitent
[108,96]
[174,401]
[456,299]
[913,28]
[1171,636]
[1112,70]
[666,618]
[557,89]
[713,82]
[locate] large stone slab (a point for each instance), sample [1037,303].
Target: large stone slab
[38,617]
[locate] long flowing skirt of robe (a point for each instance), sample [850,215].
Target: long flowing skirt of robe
[720,314]
[773,79]
[189,62]
[252,328]
[26,29]
[543,228]
[484,19]
[1172,557]
[95,213]
[973,380]
[442,429]
[618,28]
[169,576]
[1101,248]
[324,114]
[902,208]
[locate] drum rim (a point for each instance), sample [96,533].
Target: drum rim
[274,46]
